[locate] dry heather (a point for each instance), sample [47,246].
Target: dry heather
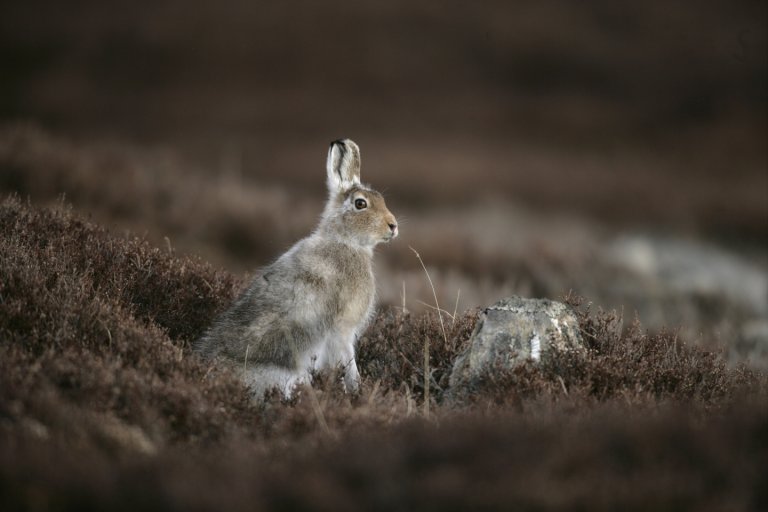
[102,406]
[221,216]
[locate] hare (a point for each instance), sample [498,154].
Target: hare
[305,311]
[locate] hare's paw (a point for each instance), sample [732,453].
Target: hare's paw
[294,381]
[260,379]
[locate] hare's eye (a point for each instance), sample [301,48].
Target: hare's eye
[360,204]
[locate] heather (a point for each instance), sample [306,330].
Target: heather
[104,405]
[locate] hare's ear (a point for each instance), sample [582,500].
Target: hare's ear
[343,165]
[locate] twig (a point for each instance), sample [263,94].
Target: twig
[318,410]
[434,308]
[427,375]
[455,308]
[207,372]
[109,334]
[434,294]
[374,391]
[408,401]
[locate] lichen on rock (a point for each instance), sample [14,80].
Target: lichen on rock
[512,331]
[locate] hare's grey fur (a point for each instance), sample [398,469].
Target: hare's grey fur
[306,310]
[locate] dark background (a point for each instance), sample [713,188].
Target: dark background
[612,149]
[512,139]
[612,108]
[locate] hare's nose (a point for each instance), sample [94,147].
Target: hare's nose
[393,228]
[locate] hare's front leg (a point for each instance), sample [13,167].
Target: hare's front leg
[351,376]
[342,354]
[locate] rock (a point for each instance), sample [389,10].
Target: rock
[712,295]
[511,332]
[751,345]
[687,268]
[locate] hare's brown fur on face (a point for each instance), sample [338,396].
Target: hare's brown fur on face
[306,309]
[368,226]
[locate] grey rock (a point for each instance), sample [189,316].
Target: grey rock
[688,268]
[715,296]
[511,332]
[751,345]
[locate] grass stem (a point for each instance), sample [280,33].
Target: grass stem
[427,376]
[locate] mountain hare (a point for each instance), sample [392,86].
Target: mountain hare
[306,310]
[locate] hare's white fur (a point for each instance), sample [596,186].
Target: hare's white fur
[305,311]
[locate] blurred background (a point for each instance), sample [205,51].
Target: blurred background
[614,149]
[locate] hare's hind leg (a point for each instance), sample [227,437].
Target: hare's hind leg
[261,379]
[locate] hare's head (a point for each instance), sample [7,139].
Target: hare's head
[355,213]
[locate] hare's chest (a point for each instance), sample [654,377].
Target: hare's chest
[355,304]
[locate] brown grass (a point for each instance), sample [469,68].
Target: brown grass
[223,217]
[103,407]
[496,129]
[650,113]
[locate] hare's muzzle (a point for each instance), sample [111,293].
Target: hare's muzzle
[392,229]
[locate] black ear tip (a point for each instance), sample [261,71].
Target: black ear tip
[340,142]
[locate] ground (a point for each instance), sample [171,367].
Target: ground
[608,154]
[104,406]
